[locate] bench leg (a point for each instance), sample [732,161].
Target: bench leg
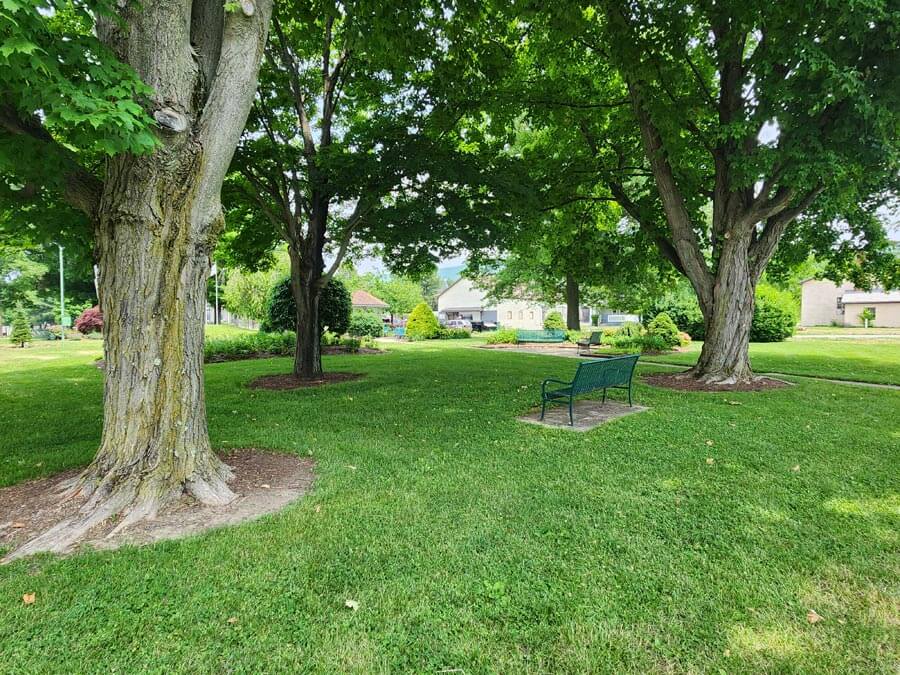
[629,394]
[603,402]
[543,408]
[571,416]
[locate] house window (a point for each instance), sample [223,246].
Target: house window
[521,314]
[871,311]
[840,303]
[509,315]
[531,314]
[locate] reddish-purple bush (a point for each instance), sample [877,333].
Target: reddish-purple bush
[90,321]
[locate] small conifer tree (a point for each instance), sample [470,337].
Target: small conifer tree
[21,329]
[422,323]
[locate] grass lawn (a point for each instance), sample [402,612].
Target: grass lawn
[222,330]
[856,331]
[864,360]
[474,542]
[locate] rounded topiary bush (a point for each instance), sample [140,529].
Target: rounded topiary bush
[554,321]
[663,331]
[90,321]
[684,311]
[365,324]
[774,316]
[334,308]
[422,324]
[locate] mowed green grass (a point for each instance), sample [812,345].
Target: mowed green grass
[875,361]
[474,542]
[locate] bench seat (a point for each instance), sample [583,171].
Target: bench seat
[540,335]
[612,373]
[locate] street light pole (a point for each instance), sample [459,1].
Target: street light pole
[62,295]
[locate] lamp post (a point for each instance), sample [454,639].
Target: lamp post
[62,295]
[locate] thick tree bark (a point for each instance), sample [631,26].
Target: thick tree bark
[728,316]
[306,286]
[157,221]
[573,302]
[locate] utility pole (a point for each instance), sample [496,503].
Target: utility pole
[216,272]
[62,295]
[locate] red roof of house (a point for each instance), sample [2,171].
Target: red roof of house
[366,299]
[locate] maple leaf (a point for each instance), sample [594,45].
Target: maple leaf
[28,598]
[813,617]
[352,604]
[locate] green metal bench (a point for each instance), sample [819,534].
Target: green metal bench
[612,373]
[540,335]
[584,345]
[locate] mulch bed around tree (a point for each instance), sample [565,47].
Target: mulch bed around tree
[290,381]
[686,383]
[264,482]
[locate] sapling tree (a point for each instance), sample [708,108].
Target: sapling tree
[129,112]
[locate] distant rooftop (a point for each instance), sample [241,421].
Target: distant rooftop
[362,298]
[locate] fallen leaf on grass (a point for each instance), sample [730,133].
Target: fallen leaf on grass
[813,617]
[709,442]
[232,620]
[265,486]
[28,598]
[796,467]
[352,604]
[318,508]
[351,467]
[710,460]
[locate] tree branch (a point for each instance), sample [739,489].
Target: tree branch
[684,238]
[359,212]
[80,188]
[230,97]
[763,247]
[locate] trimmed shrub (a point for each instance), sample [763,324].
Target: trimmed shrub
[684,311]
[90,321]
[334,308]
[663,331]
[454,334]
[774,316]
[365,324]
[504,336]
[684,339]
[21,329]
[631,329]
[422,324]
[351,344]
[655,343]
[250,345]
[554,321]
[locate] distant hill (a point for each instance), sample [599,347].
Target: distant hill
[450,273]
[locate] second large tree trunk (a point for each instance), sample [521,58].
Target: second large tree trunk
[724,358]
[573,302]
[305,287]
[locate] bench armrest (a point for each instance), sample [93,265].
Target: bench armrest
[554,380]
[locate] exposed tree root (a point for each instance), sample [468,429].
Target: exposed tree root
[132,497]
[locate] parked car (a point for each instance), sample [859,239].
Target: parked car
[459,323]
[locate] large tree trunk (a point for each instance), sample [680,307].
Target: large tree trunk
[724,358]
[305,286]
[157,221]
[573,302]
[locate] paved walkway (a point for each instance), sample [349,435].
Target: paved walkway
[573,354]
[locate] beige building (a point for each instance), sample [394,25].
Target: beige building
[463,300]
[824,303]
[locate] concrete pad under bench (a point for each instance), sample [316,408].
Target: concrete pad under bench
[589,414]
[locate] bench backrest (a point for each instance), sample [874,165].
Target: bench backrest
[609,372]
[595,338]
[540,335]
